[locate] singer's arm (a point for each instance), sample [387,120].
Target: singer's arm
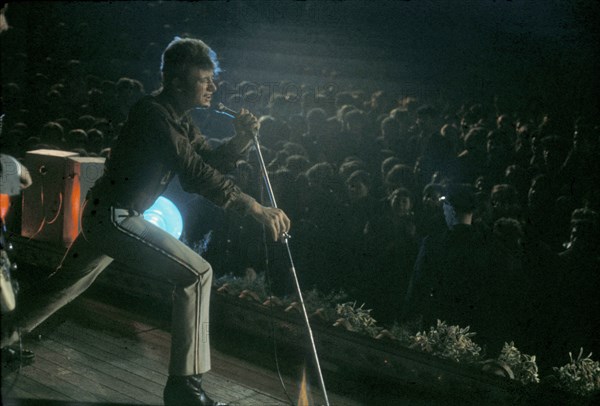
[226,155]
[246,124]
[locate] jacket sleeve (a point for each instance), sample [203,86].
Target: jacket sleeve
[223,157]
[195,173]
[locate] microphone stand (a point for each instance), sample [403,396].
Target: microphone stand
[286,237]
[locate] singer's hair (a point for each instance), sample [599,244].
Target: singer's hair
[184,53]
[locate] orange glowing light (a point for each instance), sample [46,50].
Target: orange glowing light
[4,205]
[303,396]
[74,208]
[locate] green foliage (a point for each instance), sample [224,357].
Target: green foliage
[450,342]
[314,300]
[357,319]
[326,304]
[403,332]
[523,366]
[580,376]
[251,281]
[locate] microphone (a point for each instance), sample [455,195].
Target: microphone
[221,108]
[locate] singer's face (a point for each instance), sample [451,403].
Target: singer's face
[200,87]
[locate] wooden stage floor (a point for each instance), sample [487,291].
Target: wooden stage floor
[94,353]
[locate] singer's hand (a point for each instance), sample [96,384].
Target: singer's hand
[274,219]
[246,125]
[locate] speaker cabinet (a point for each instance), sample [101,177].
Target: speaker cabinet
[83,172]
[52,204]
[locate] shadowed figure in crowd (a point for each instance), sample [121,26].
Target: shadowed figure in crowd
[392,248]
[577,323]
[451,267]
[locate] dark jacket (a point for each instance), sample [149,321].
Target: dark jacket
[155,145]
[448,277]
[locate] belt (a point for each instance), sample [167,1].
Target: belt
[119,212]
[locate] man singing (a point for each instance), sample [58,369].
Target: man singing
[159,141]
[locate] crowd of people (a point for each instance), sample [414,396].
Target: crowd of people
[364,177]
[364,183]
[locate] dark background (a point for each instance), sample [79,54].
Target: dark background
[525,51]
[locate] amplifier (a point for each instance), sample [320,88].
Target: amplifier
[82,172]
[52,204]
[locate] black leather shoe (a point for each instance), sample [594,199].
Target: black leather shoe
[187,390]
[13,354]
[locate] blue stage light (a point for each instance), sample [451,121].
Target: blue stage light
[165,215]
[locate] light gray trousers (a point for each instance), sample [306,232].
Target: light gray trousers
[112,233]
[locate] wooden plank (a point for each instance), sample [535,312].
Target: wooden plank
[120,348]
[160,339]
[227,371]
[260,400]
[117,352]
[41,390]
[12,387]
[217,387]
[96,345]
[86,376]
[116,318]
[118,326]
[18,393]
[225,390]
[156,341]
[46,373]
[140,351]
[267,381]
[137,384]
[101,374]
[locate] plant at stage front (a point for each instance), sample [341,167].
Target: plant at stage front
[250,285]
[452,342]
[357,319]
[254,287]
[523,366]
[580,376]
[403,332]
[324,305]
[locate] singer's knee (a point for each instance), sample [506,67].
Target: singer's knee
[202,270]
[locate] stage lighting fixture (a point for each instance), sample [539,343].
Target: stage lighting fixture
[165,215]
